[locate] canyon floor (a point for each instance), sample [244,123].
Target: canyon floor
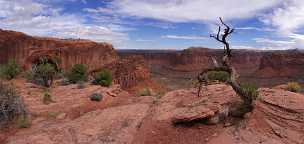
[125,118]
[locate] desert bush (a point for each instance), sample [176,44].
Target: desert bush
[47,98]
[218,75]
[145,92]
[96,97]
[11,105]
[250,89]
[10,70]
[44,74]
[293,87]
[103,78]
[77,73]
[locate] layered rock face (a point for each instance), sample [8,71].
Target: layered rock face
[249,63]
[129,71]
[26,50]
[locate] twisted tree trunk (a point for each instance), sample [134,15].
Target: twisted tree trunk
[227,67]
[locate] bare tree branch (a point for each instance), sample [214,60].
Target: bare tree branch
[226,66]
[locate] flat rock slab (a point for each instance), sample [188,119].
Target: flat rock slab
[184,106]
[116,125]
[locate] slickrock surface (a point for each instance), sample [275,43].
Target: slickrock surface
[277,119]
[116,125]
[179,117]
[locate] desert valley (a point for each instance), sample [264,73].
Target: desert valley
[56,90]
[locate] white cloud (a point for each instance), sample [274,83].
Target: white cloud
[256,28]
[183,37]
[144,40]
[192,10]
[266,43]
[40,19]
[288,18]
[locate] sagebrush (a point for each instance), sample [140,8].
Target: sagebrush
[11,104]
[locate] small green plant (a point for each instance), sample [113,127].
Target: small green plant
[221,76]
[145,92]
[250,89]
[103,78]
[293,87]
[77,73]
[10,70]
[47,98]
[23,122]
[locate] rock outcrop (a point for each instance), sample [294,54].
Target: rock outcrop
[278,118]
[27,49]
[129,71]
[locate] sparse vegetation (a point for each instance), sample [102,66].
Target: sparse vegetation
[12,106]
[10,70]
[77,73]
[42,73]
[46,73]
[103,78]
[23,122]
[221,76]
[145,92]
[293,87]
[47,98]
[250,89]
[53,115]
[96,97]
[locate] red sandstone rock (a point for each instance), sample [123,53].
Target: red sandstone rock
[27,49]
[249,63]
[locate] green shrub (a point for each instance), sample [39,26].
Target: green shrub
[10,70]
[103,78]
[218,75]
[250,89]
[29,75]
[77,73]
[293,87]
[11,105]
[145,92]
[45,73]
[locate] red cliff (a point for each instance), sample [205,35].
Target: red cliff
[27,49]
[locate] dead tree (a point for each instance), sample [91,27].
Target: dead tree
[226,66]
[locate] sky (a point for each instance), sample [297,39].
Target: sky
[160,24]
